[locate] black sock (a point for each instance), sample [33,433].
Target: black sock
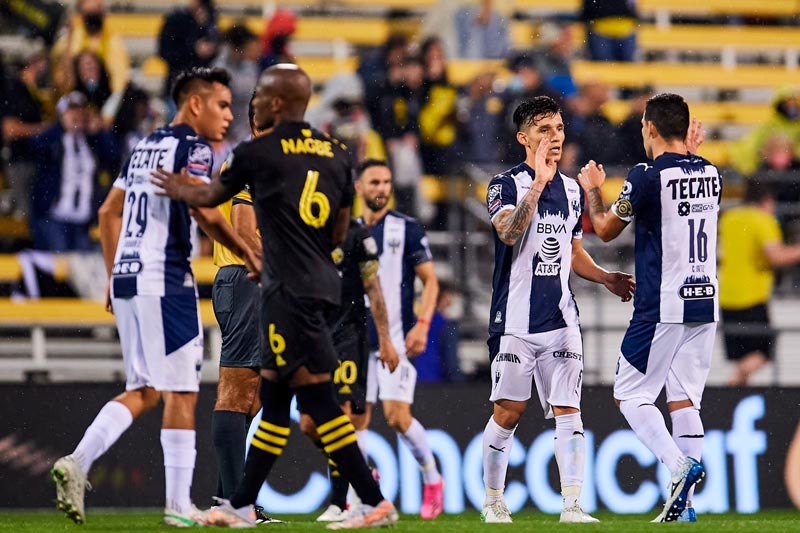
[268,441]
[339,486]
[339,438]
[230,435]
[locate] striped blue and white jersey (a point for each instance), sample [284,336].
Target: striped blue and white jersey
[675,201]
[530,287]
[402,246]
[154,244]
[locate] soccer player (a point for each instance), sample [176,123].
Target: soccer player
[404,255]
[357,262]
[301,183]
[534,334]
[675,200]
[153,295]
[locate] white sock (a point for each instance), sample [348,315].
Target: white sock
[570,456]
[109,424]
[688,433]
[361,440]
[417,441]
[179,456]
[648,423]
[497,443]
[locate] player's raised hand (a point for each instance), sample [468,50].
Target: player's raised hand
[388,355]
[544,167]
[695,135]
[170,182]
[591,176]
[621,284]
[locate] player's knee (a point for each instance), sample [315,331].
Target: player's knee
[150,398]
[507,419]
[308,427]
[398,419]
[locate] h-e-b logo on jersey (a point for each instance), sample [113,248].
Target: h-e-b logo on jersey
[696,288]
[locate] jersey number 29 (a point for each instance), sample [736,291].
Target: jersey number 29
[312,197]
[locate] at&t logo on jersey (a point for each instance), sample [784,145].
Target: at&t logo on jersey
[549,253]
[696,288]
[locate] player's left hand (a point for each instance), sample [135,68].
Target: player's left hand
[253,263]
[416,340]
[621,284]
[591,176]
[170,182]
[388,355]
[695,135]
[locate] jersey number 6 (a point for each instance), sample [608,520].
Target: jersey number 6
[312,197]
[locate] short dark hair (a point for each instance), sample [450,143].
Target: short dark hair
[188,81]
[757,191]
[529,110]
[669,113]
[369,163]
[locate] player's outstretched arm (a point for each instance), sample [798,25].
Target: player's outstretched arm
[619,283]
[182,186]
[372,286]
[606,224]
[110,221]
[215,226]
[417,337]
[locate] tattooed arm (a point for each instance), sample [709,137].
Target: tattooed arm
[606,224]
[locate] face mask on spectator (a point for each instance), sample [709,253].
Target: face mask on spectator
[93,22]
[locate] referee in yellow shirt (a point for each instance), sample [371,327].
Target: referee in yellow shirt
[751,246]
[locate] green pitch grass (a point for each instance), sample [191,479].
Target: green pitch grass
[764,522]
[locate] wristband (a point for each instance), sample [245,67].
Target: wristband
[421,320]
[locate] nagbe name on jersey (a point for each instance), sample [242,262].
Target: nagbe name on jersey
[307,146]
[694,187]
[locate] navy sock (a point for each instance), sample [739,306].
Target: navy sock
[230,435]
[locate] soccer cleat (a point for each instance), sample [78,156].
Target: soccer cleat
[383,515]
[194,518]
[496,512]
[576,515]
[333,513]
[432,500]
[264,518]
[688,515]
[71,487]
[690,473]
[226,515]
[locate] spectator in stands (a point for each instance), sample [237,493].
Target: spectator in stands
[610,29]
[746,153]
[69,158]
[594,134]
[189,38]
[91,79]
[275,41]
[133,121]
[87,31]
[437,116]
[340,113]
[239,56]
[478,113]
[629,131]
[439,362]
[751,246]
[23,112]
[526,82]
[554,57]
[482,28]
[374,69]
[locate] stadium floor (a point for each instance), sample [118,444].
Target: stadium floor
[763,522]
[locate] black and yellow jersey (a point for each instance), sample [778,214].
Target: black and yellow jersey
[223,256]
[299,178]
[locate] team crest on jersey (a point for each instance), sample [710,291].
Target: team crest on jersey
[200,157]
[371,246]
[394,245]
[493,199]
[575,205]
[624,207]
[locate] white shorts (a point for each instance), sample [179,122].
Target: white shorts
[162,341]
[398,385]
[656,354]
[553,359]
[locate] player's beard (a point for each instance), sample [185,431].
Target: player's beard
[376,204]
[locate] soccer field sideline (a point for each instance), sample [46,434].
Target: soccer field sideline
[772,521]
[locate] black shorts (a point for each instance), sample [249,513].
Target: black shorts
[350,377]
[294,333]
[747,331]
[236,304]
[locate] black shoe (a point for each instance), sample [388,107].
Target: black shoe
[262,518]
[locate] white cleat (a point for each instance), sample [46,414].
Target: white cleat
[193,518]
[70,488]
[383,515]
[496,512]
[576,515]
[225,515]
[333,513]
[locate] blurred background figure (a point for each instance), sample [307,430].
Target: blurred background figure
[478,113]
[239,55]
[482,28]
[90,78]
[374,70]
[751,247]
[189,38]
[24,111]
[629,131]
[610,29]
[87,31]
[437,116]
[276,39]
[554,56]
[594,134]
[134,120]
[66,194]
[439,362]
